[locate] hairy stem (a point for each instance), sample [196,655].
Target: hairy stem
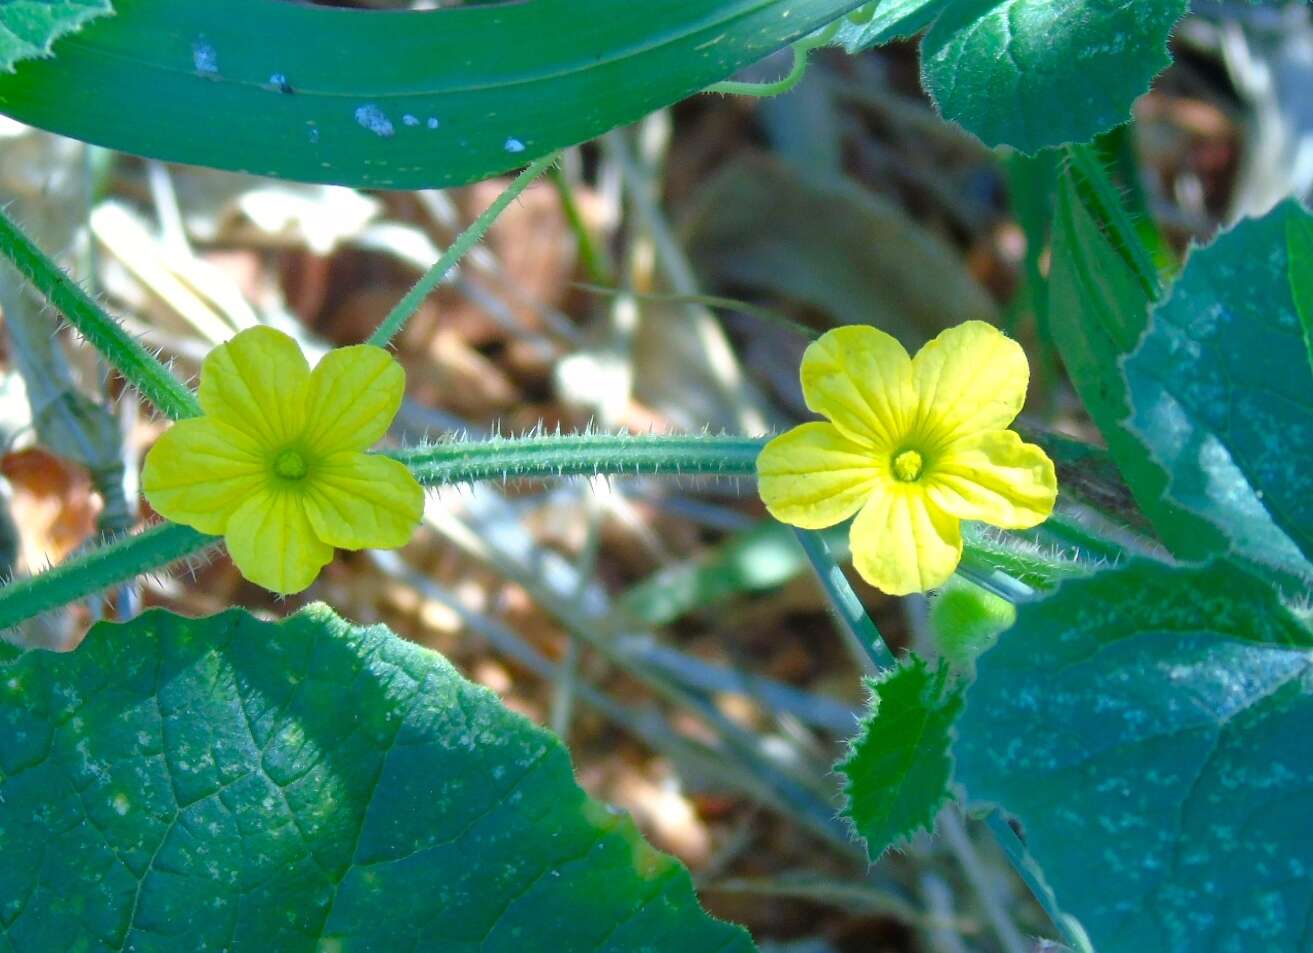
[580,455]
[443,464]
[101,568]
[801,50]
[1011,567]
[137,365]
[408,305]
[543,457]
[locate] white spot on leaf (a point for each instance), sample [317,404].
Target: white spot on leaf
[205,57]
[375,120]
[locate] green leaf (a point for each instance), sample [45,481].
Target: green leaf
[1038,73]
[228,783]
[1299,241]
[889,20]
[1101,288]
[28,28]
[898,769]
[1149,728]
[397,99]
[1222,391]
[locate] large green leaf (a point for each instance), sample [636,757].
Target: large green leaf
[1222,391]
[1039,73]
[388,99]
[1299,240]
[29,27]
[1149,727]
[898,768]
[1100,293]
[232,784]
[887,20]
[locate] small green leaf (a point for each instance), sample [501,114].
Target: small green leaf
[898,769]
[28,28]
[1100,293]
[1222,391]
[1149,728]
[1039,73]
[228,783]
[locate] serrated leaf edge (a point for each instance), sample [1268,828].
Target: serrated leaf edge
[949,695]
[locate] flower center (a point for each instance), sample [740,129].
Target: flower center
[908,466]
[290,465]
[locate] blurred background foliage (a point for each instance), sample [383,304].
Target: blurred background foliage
[666,630]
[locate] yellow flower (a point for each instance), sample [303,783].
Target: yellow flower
[913,447]
[276,465]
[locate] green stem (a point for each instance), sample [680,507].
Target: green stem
[408,305]
[439,465]
[507,458]
[858,622]
[99,569]
[594,258]
[1066,529]
[137,365]
[538,457]
[844,600]
[987,553]
[1098,189]
[801,50]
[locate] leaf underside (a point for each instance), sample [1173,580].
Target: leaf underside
[1222,390]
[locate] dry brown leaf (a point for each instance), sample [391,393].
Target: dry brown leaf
[54,505]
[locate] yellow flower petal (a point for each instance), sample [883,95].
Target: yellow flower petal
[256,383]
[356,501]
[902,545]
[200,471]
[813,476]
[969,378]
[354,394]
[272,543]
[996,478]
[861,379]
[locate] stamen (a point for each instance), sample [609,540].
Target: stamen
[907,466]
[290,465]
